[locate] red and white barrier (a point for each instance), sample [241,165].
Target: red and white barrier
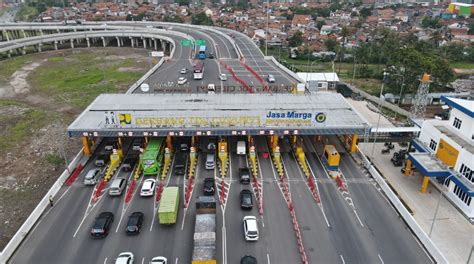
[159,190]
[189,188]
[130,191]
[236,77]
[259,78]
[98,191]
[75,174]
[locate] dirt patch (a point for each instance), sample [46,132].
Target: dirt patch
[128,69]
[18,79]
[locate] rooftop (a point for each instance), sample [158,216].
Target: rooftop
[159,114]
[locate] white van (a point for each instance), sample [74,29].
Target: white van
[117,187]
[210,162]
[241,150]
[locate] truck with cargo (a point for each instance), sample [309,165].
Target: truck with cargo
[204,251]
[169,206]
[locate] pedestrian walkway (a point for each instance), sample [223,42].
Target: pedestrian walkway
[452,233]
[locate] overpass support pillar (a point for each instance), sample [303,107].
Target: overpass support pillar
[86,146]
[132,41]
[408,167]
[155,43]
[5,34]
[23,33]
[72,43]
[57,30]
[424,185]
[39,47]
[118,41]
[88,42]
[169,143]
[354,143]
[163,45]
[41,32]
[55,45]
[103,42]
[23,50]
[144,43]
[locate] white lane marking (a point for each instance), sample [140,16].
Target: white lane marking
[143,260]
[176,261]
[320,198]
[342,259]
[224,233]
[358,218]
[274,174]
[381,260]
[105,260]
[268,258]
[184,218]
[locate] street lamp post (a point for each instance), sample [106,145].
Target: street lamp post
[437,205]
[380,112]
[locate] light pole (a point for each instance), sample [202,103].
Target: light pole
[437,205]
[266,32]
[380,113]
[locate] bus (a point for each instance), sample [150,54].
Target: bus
[198,71]
[202,52]
[152,158]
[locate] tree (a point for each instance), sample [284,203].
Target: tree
[330,44]
[201,19]
[323,12]
[320,24]
[183,2]
[296,40]
[428,22]
[471,29]
[365,12]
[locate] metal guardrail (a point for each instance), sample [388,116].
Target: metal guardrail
[30,222]
[401,209]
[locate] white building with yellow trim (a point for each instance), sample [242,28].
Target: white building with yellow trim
[445,152]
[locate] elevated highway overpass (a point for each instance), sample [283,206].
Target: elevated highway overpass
[304,216]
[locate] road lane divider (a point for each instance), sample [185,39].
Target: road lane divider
[74,174]
[287,195]
[130,190]
[237,78]
[159,190]
[98,190]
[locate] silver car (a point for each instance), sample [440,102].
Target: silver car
[92,177]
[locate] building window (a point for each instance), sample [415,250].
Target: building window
[433,145]
[462,195]
[467,172]
[457,123]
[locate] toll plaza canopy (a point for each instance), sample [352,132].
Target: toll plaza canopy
[111,115]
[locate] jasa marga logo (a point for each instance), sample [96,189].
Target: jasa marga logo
[320,117]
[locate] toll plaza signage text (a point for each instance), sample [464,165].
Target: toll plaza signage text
[273,118]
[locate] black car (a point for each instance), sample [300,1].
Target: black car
[102,225]
[211,55]
[244,175]
[209,186]
[134,224]
[129,163]
[180,164]
[248,260]
[246,199]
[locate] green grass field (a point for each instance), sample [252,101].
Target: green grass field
[80,78]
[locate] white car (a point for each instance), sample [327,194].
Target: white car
[250,228]
[223,77]
[124,258]
[148,188]
[159,260]
[182,80]
[184,71]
